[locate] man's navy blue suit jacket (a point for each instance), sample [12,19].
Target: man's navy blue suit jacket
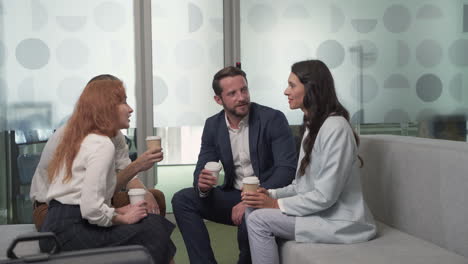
[272,147]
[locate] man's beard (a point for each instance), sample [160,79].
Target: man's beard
[234,112]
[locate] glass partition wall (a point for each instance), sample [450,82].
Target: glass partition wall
[49,49]
[186,55]
[399,66]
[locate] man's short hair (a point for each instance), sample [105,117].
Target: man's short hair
[229,71]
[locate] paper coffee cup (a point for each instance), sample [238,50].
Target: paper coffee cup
[250,184]
[136,195]
[214,167]
[153,142]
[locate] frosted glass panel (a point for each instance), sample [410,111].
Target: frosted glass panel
[393,61]
[49,49]
[187,52]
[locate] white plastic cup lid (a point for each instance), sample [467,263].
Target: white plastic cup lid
[136,191]
[213,166]
[250,180]
[153,138]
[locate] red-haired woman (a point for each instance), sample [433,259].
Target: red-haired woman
[82,181]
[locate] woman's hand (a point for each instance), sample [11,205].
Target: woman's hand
[146,160]
[134,213]
[263,190]
[122,210]
[260,199]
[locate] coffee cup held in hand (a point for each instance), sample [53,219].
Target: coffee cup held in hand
[250,184]
[136,195]
[153,142]
[214,167]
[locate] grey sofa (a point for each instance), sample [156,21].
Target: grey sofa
[417,190]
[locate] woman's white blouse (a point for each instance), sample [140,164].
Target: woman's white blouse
[93,181]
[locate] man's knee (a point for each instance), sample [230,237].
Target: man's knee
[182,198]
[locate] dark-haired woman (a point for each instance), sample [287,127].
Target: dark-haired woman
[324,204]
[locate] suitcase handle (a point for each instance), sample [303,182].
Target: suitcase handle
[31,237]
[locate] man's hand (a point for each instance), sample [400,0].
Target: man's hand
[151,205]
[206,181]
[237,213]
[146,160]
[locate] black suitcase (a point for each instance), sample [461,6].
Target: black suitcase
[134,254]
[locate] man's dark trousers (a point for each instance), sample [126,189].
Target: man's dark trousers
[190,210]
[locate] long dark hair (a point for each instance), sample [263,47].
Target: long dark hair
[320,102]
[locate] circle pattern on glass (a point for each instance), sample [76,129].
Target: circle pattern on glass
[403,53]
[2,54]
[71,23]
[429,12]
[296,12]
[160,90]
[396,116]
[429,87]
[397,81]
[72,54]
[456,87]
[195,17]
[39,16]
[370,88]
[457,52]
[337,18]
[368,56]
[183,90]
[363,25]
[189,54]
[69,90]
[331,52]
[25,90]
[429,53]
[106,22]
[262,18]
[397,18]
[32,53]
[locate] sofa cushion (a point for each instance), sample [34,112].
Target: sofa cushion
[390,246]
[419,186]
